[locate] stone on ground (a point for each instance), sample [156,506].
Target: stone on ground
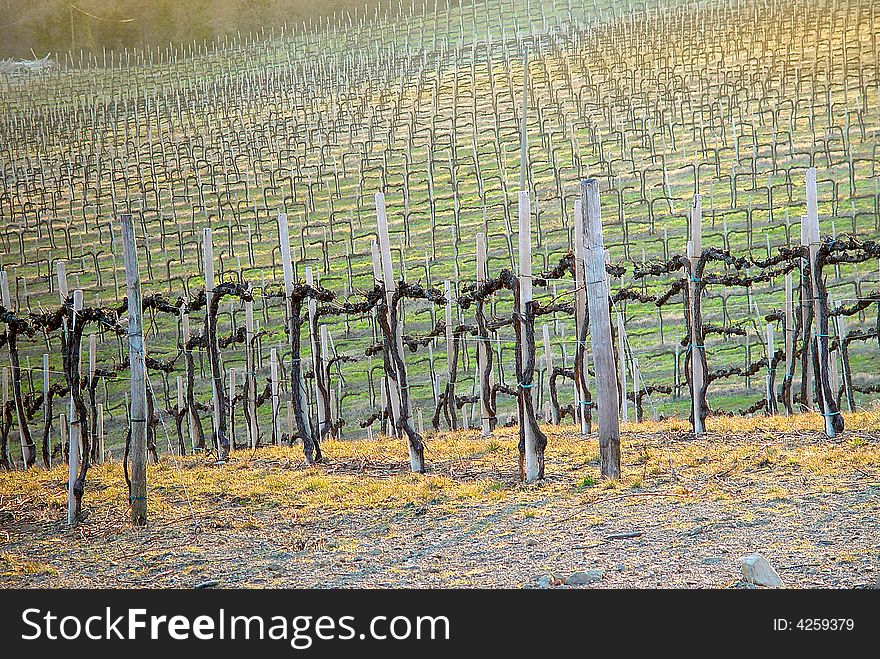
[757,570]
[583,578]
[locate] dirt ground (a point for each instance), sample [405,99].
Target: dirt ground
[688,508]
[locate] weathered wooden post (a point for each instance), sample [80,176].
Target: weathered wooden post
[532,442]
[451,366]
[787,394]
[807,319]
[137,369]
[600,331]
[231,407]
[771,384]
[621,363]
[484,348]
[827,404]
[250,382]
[28,449]
[273,374]
[582,412]
[394,344]
[297,383]
[47,411]
[548,365]
[102,456]
[221,441]
[637,387]
[61,274]
[696,348]
[74,450]
[317,361]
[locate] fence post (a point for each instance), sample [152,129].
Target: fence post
[596,282]
[273,371]
[696,346]
[101,455]
[621,363]
[75,434]
[787,396]
[451,366]
[582,412]
[806,318]
[827,405]
[317,360]
[771,371]
[137,369]
[251,375]
[531,442]
[484,349]
[395,345]
[47,446]
[208,263]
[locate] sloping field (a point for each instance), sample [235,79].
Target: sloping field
[690,509]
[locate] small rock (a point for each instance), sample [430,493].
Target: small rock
[757,570]
[531,543]
[624,536]
[621,567]
[711,560]
[549,580]
[583,578]
[206,584]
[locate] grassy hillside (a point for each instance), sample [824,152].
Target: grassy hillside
[731,100]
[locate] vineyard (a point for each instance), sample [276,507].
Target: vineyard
[437,224]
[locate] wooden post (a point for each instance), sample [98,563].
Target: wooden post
[600,331]
[771,385]
[696,347]
[250,375]
[46,411]
[137,369]
[93,356]
[391,400]
[548,365]
[290,421]
[621,363]
[27,457]
[231,406]
[788,398]
[582,412]
[61,273]
[806,318]
[451,366]
[532,453]
[101,454]
[317,365]
[191,414]
[297,384]
[827,406]
[5,389]
[400,391]
[484,349]
[273,370]
[216,376]
[74,450]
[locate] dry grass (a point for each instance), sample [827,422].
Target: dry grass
[742,465]
[464,466]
